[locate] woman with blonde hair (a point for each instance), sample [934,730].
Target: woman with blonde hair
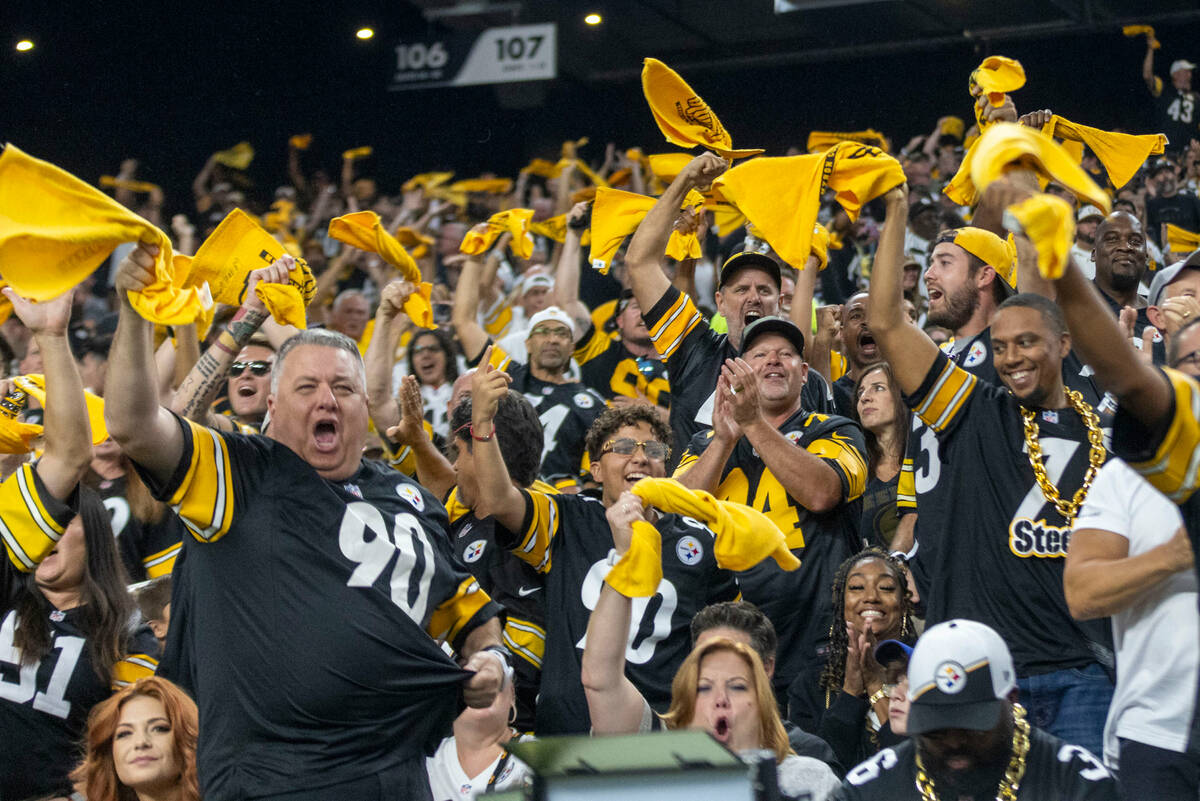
[720,688]
[141,746]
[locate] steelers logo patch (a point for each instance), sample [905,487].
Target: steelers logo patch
[950,677]
[474,551]
[584,401]
[412,495]
[976,355]
[689,550]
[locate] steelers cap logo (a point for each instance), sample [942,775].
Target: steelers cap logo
[950,677]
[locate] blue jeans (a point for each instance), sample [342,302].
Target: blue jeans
[1071,704]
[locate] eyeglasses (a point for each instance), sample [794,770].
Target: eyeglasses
[256,368]
[1191,359]
[426,349]
[557,333]
[655,451]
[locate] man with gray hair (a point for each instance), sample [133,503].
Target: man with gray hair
[315,584]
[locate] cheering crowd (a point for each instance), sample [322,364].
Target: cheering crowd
[879,460]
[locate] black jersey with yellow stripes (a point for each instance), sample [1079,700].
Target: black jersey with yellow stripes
[44,705]
[797,602]
[694,353]
[312,609]
[608,367]
[996,554]
[148,548]
[31,523]
[567,537]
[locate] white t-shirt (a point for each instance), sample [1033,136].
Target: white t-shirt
[449,782]
[1158,664]
[1083,260]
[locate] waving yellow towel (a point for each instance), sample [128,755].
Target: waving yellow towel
[364,231]
[682,116]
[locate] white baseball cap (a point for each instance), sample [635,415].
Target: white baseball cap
[552,314]
[531,282]
[1181,64]
[1087,212]
[959,677]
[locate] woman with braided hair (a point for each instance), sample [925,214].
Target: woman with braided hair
[871,599]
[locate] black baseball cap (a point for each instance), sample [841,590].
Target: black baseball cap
[749,259]
[773,325]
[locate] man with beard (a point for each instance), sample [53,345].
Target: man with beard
[803,470]
[566,408]
[969,738]
[1021,453]
[748,288]
[1169,204]
[1120,257]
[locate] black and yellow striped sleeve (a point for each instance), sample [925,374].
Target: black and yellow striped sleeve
[1169,460]
[943,394]
[532,543]
[201,493]
[525,639]
[845,452]
[906,488]
[31,519]
[593,344]
[696,446]
[671,320]
[133,667]
[461,612]
[498,318]
[162,562]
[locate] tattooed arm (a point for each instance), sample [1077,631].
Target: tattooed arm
[194,398]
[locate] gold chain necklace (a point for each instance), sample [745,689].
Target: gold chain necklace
[1068,509]
[1012,774]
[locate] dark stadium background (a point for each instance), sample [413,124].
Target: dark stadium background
[171,83]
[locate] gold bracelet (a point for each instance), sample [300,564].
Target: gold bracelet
[877,696]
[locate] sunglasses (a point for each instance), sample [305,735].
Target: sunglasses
[256,368]
[426,349]
[655,451]
[558,332]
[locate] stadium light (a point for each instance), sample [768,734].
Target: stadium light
[365,33]
[24,45]
[593,19]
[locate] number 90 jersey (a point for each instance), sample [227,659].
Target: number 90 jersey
[309,610]
[567,537]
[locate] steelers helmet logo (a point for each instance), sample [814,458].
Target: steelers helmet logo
[412,495]
[950,677]
[584,400]
[474,551]
[689,550]
[975,355]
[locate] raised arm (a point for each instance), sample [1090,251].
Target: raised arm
[194,398]
[380,358]
[67,431]
[644,257]
[146,431]
[566,278]
[614,704]
[1095,335]
[434,471]
[1148,68]
[498,496]
[470,333]
[907,348]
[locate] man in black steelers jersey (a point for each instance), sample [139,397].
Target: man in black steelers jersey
[1015,457]
[566,408]
[315,587]
[747,288]
[510,582]
[567,538]
[969,738]
[803,470]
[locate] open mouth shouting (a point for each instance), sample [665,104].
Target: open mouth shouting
[721,729]
[325,434]
[867,347]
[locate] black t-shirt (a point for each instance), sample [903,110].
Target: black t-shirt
[148,548]
[844,402]
[879,516]
[309,611]
[797,602]
[1054,771]
[1176,114]
[609,368]
[1182,209]
[996,553]
[694,354]
[567,537]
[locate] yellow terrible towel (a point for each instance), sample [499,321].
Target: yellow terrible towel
[413,241]
[682,116]
[1049,222]
[363,230]
[820,141]
[1121,154]
[55,230]
[426,180]
[1139,30]
[616,214]
[123,183]
[552,227]
[17,437]
[514,221]
[491,186]
[238,246]
[745,536]
[639,571]
[996,77]
[239,156]
[1006,143]
[781,196]
[1181,240]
